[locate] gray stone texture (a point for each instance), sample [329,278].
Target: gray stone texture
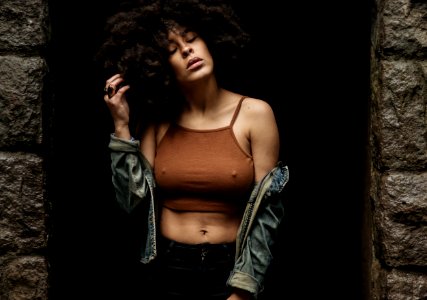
[402,219]
[22,227]
[406,286]
[21,90]
[398,186]
[25,278]
[24,34]
[404,28]
[23,25]
[22,208]
[402,115]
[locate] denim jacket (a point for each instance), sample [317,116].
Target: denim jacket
[133,181]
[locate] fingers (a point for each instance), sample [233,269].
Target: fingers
[115,99]
[115,85]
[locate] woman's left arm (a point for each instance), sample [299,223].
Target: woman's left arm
[263,137]
[256,254]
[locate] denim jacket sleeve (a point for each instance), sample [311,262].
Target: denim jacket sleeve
[132,175]
[258,232]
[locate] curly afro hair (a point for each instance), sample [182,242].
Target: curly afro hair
[135,46]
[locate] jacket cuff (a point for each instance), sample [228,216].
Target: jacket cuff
[245,282]
[118,144]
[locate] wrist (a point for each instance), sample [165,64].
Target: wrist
[122,132]
[130,138]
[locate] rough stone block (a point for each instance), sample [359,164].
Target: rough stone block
[21,85]
[401,215]
[23,25]
[25,278]
[22,206]
[399,117]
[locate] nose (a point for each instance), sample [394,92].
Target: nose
[186,51]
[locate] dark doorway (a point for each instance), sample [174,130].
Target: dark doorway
[310,61]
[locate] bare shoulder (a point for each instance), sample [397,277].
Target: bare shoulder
[257,108]
[263,135]
[150,138]
[160,131]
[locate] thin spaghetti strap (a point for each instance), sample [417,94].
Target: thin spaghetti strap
[236,112]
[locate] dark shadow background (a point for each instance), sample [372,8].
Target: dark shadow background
[310,61]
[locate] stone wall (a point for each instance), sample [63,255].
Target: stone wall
[398,192]
[23,70]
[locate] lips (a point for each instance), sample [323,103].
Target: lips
[193,61]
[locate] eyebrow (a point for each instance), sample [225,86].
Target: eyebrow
[181,33]
[184,32]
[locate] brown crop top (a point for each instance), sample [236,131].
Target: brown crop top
[203,164]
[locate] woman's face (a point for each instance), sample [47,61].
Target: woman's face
[189,55]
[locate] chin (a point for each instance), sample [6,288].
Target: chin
[196,76]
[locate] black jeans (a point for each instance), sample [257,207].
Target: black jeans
[192,272]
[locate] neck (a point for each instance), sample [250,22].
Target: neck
[202,96]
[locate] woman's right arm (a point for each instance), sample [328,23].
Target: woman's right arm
[132,173]
[118,105]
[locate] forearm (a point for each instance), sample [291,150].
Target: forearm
[122,131]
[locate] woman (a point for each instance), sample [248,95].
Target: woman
[204,159]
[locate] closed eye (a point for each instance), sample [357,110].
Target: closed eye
[191,39]
[186,36]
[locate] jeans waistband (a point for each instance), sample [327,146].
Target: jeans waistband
[197,251]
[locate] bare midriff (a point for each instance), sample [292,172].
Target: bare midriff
[195,221]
